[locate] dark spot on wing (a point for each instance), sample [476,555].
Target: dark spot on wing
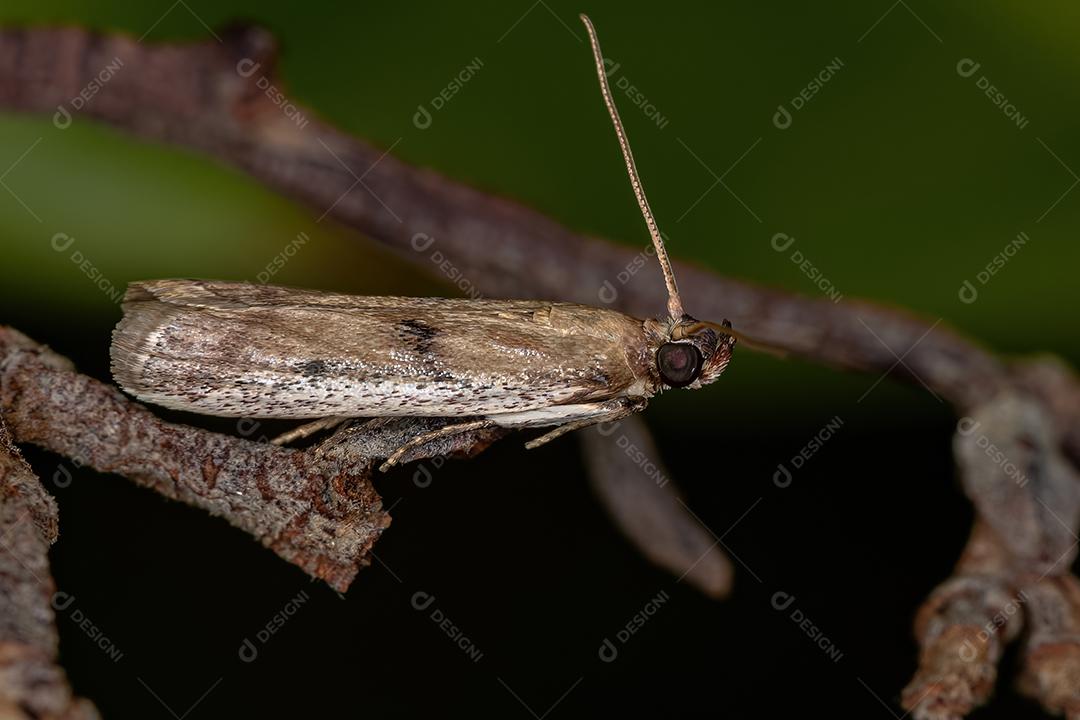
[314,368]
[417,335]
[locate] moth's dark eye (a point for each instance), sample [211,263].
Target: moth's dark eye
[679,363]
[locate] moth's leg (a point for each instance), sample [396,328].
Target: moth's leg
[308,429]
[577,425]
[423,438]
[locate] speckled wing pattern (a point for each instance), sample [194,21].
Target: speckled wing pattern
[245,350]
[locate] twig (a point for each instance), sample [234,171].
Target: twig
[1051,672]
[318,512]
[32,685]
[962,629]
[504,248]
[1015,570]
[642,499]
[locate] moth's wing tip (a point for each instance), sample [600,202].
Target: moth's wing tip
[134,336]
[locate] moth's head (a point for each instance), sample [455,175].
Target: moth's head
[685,352]
[694,353]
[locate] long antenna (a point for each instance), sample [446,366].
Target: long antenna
[675,309]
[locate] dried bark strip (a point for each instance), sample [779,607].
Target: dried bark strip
[318,512]
[32,685]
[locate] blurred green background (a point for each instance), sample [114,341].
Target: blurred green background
[899,178]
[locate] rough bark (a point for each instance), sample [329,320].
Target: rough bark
[32,684]
[318,512]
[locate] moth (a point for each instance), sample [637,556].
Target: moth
[244,350]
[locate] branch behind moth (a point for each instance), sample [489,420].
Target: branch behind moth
[242,350]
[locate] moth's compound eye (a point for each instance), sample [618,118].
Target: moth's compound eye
[679,363]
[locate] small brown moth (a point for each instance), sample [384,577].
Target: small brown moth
[243,350]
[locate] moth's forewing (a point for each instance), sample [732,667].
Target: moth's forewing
[237,349]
